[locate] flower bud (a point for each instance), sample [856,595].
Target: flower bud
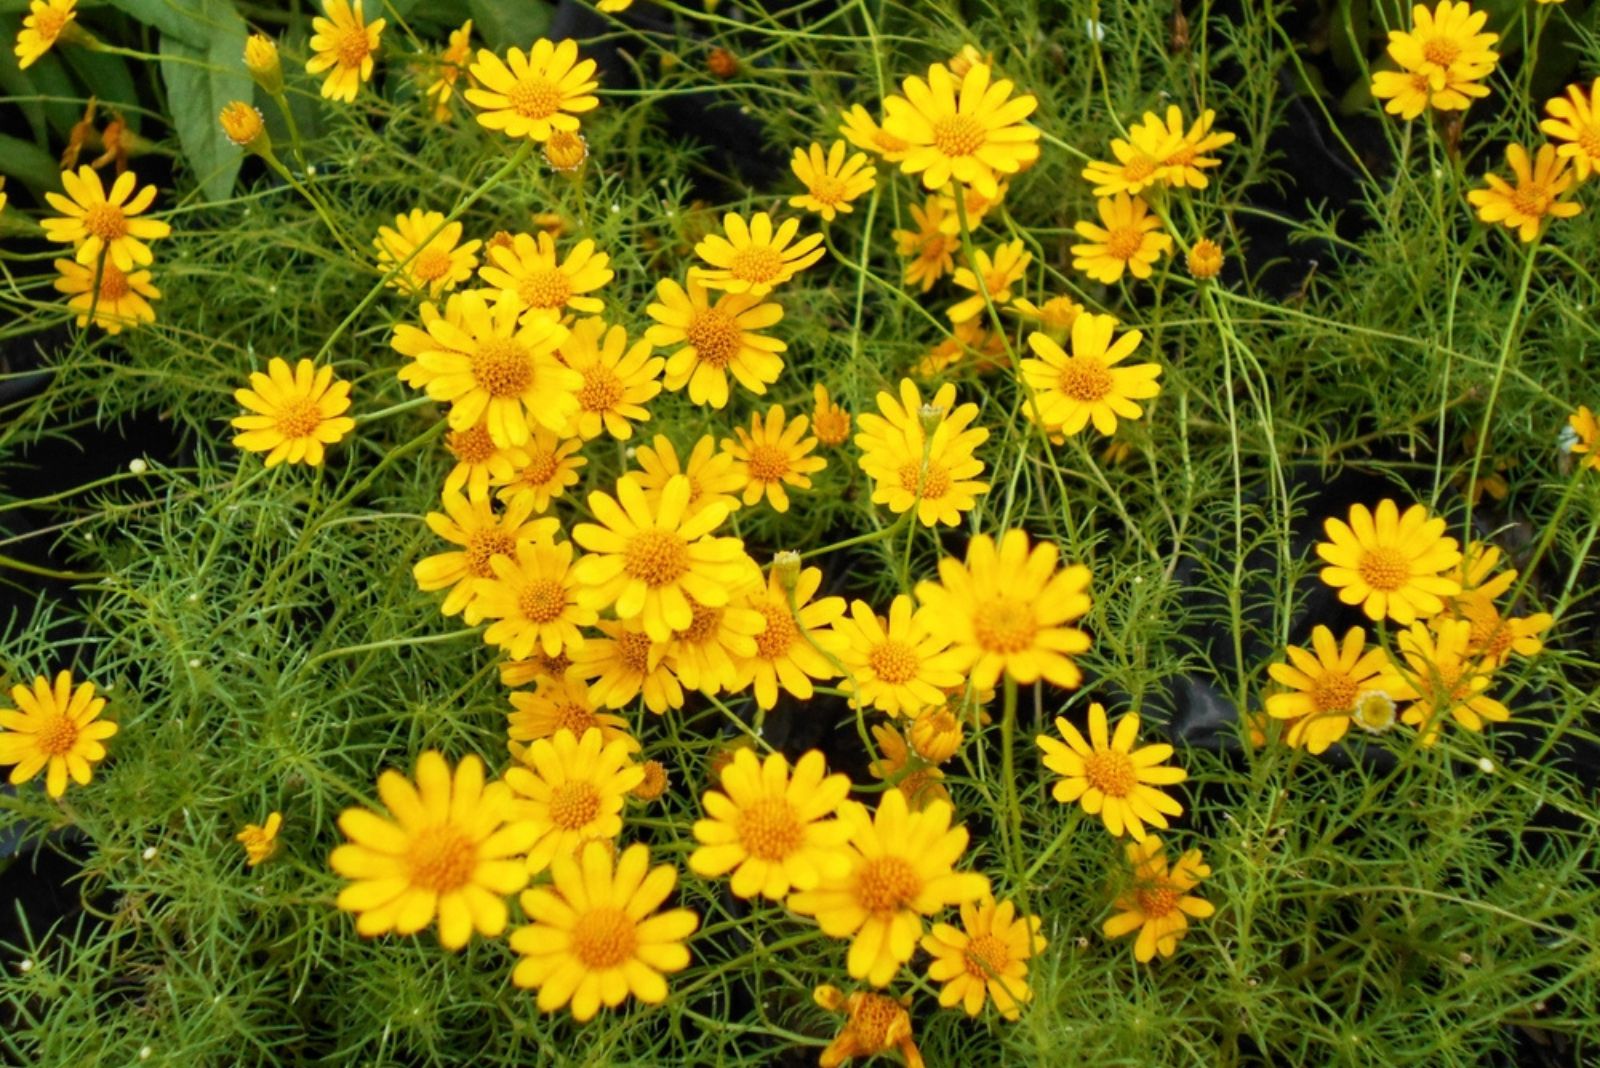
[566,151]
[242,123]
[786,565]
[261,59]
[1205,260]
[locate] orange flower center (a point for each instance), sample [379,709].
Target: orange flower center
[57,737]
[106,222]
[986,956]
[704,624]
[1532,199]
[542,601]
[831,426]
[1334,692]
[545,287]
[894,662]
[471,446]
[654,783]
[888,142]
[1084,379]
[535,98]
[958,135]
[1441,50]
[1004,625]
[541,468]
[773,643]
[1111,772]
[934,479]
[1384,568]
[770,829]
[483,546]
[1181,157]
[767,463]
[430,264]
[575,718]
[603,938]
[601,391]
[1156,901]
[565,151]
[1490,635]
[715,336]
[47,23]
[827,189]
[870,1020]
[113,283]
[574,805]
[633,650]
[757,264]
[354,47]
[885,884]
[502,368]
[1124,242]
[1138,168]
[1589,141]
[658,557]
[442,859]
[299,417]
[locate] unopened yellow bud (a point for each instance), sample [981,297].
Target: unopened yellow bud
[1205,260]
[566,151]
[242,123]
[261,59]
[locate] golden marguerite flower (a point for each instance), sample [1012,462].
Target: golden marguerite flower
[1574,123]
[293,415]
[831,180]
[1326,683]
[929,250]
[533,600]
[558,704]
[436,263]
[898,765]
[901,868]
[975,203]
[754,257]
[538,666]
[1071,392]
[571,790]
[55,728]
[1494,637]
[597,933]
[986,957]
[624,663]
[1139,159]
[41,28]
[715,340]
[260,840]
[1204,261]
[549,469]
[1184,165]
[546,285]
[343,44]
[829,422]
[448,70]
[618,379]
[863,131]
[646,560]
[452,849]
[969,348]
[1157,902]
[913,466]
[481,534]
[95,221]
[1536,196]
[774,831]
[1131,240]
[1393,565]
[1443,59]
[935,732]
[966,130]
[1585,437]
[119,300]
[712,479]
[1449,679]
[1056,316]
[773,454]
[480,463]
[1109,777]
[994,276]
[897,665]
[790,649]
[702,655]
[874,1024]
[533,94]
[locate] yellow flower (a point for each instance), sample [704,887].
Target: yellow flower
[1448,677]
[345,42]
[861,130]
[874,1024]
[1442,58]
[1390,564]
[897,665]
[543,285]
[538,666]
[95,221]
[935,732]
[597,934]
[533,599]
[42,27]
[977,204]
[1204,261]
[1585,437]
[919,780]
[784,655]
[1182,154]
[771,455]
[1007,610]
[654,784]
[549,470]
[715,340]
[702,655]
[120,300]
[1536,196]
[987,957]
[293,415]
[437,264]
[617,380]
[479,461]
[754,257]
[712,479]
[260,841]
[243,125]
[1055,316]
[829,422]
[773,831]
[1131,240]
[55,728]
[831,181]
[1326,685]
[571,790]
[929,248]
[453,849]
[482,535]
[1110,778]
[566,151]
[560,704]
[964,131]
[1088,387]
[998,273]
[901,868]
[911,466]
[1139,160]
[541,91]
[625,663]
[1575,122]
[1493,637]
[1158,904]
[455,56]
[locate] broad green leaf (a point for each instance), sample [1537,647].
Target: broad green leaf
[184,20]
[199,82]
[507,23]
[29,164]
[107,77]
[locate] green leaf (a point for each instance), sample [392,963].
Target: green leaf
[507,23]
[199,82]
[107,77]
[184,20]
[29,164]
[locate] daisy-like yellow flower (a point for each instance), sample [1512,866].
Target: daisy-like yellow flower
[452,850]
[863,131]
[598,933]
[549,469]
[1585,437]
[966,130]
[978,205]
[471,524]
[1139,160]
[998,273]
[929,250]
[479,461]
[712,479]
[533,94]
[42,27]
[491,368]
[754,257]
[1131,240]
[784,657]
[515,673]
[829,422]
[436,264]
[1184,164]
[343,44]
[1326,683]
[119,300]
[986,957]
[874,1024]
[560,704]
[1393,565]
[1574,122]
[935,732]
[571,790]
[533,599]
[1442,60]
[646,560]
[773,454]
[95,221]
[448,71]
[1536,196]
[911,467]
[1157,903]
[623,664]
[831,180]
[1449,679]
[55,728]
[715,340]
[260,841]
[1055,316]
[618,380]
[901,868]
[544,284]
[1109,777]
[1493,637]
[897,665]
[773,831]
[899,766]
[702,655]
[293,415]
[1071,392]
